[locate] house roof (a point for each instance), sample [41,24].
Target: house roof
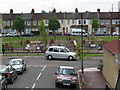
[113,47]
[60,15]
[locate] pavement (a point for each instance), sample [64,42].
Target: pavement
[93,78]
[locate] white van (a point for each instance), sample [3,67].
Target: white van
[77,32]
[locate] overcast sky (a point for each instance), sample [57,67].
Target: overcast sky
[25,6]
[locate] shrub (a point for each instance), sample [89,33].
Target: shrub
[100,65]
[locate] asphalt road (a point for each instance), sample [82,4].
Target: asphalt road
[40,72]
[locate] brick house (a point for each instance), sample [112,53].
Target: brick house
[109,20]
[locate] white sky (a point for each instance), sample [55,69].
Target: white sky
[25,6]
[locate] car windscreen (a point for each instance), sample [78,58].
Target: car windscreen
[16,62]
[67,50]
[66,72]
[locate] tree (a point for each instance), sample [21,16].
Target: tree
[18,24]
[53,24]
[43,33]
[95,24]
[2,24]
[80,53]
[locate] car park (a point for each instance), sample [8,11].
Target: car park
[18,64]
[59,52]
[3,82]
[66,76]
[9,73]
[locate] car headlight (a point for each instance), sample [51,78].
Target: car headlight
[74,81]
[58,80]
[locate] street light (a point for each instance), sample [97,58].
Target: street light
[82,43]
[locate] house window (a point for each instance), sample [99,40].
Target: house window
[34,22]
[61,21]
[73,21]
[114,21]
[102,22]
[7,23]
[46,21]
[107,21]
[68,21]
[11,23]
[28,23]
[39,22]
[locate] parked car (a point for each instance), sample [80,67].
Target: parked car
[18,64]
[115,34]
[67,34]
[100,34]
[9,73]
[66,76]
[3,82]
[27,34]
[59,52]
[12,35]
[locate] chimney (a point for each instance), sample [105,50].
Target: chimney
[11,11]
[54,10]
[76,10]
[32,11]
[98,10]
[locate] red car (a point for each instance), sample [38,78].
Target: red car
[66,76]
[67,34]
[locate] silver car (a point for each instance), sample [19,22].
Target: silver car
[18,64]
[59,52]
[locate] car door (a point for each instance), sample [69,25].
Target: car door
[56,53]
[63,53]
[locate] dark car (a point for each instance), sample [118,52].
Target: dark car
[28,35]
[3,82]
[66,76]
[9,73]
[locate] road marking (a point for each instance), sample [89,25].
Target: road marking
[43,68]
[33,86]
[38,76]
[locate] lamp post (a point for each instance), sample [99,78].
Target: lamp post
[82,43]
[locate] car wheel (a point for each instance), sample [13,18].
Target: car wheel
[5,87]
[70,57]
[25,68]
[12,80]
[22,71]
[56,85]
[49,57]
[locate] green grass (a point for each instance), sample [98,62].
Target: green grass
[15,41]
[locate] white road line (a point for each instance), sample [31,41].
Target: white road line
[43,68]
[38,76]
[33,86]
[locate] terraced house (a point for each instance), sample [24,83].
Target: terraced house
[109,21]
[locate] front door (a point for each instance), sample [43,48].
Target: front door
[63,30]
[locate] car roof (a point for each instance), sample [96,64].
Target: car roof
[57,47]
[15,59]
[66,67]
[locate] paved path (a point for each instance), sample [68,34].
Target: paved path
[93,79]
